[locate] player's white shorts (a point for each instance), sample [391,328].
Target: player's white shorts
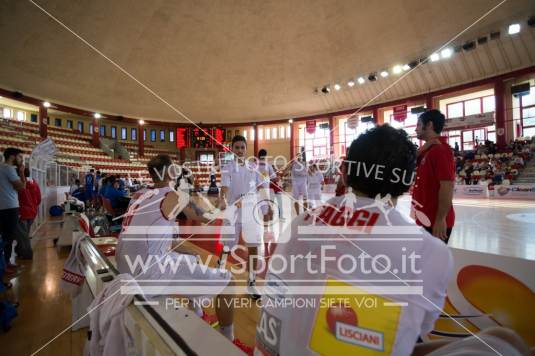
[198,280]
[314,195]
[251,231]
[264,204]
[299,188]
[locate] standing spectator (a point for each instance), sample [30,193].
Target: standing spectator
[435,176]
[89,185]
[101,182]
[29,201]
[98,177]
[75,190]
[10,183]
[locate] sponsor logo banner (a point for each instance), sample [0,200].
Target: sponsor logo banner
[472,121]
[364,324]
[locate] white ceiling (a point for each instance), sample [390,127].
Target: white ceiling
[247,60]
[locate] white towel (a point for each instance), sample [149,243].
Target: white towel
[109,335]
[72,276]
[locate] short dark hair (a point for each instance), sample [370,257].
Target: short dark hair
[11,151]
[386,146]
[436,117]
[262,153]
[91,170]
[238,138]
[158,167]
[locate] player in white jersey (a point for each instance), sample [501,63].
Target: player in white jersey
[267,172]
[240,183]
[145,246]
[299,173]
[315,183]
[373,280]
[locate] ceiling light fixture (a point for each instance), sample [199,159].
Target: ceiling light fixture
[350,83]
[514,28]
[337,87]
[290,121]
[361,80]
[141,122]
[97,115]
[434,57]
[46,104]
[326,89]
[397,69]
[446,53]
[406,67]
[384,74]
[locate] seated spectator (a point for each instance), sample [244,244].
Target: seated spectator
[116,195]
[497,179]
[121,183]
[458,163]
[105,186]
[475,177]
[101,182]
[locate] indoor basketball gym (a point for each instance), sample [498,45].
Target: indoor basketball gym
[268,178]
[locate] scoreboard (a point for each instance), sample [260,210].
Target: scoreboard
[196,138]
[200,138]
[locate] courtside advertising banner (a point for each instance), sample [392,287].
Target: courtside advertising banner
[487,291]
[513,192]
[470,191]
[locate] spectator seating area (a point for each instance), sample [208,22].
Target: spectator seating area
[75,150]
[489,165]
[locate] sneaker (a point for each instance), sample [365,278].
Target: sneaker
[253,292]
[245,348]
[210,319]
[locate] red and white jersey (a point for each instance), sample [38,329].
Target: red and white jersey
[329,305]
[314,182]
[266,170]
[145,231]
[241,180]
[299,171]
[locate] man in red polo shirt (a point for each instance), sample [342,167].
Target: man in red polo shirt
[435,176]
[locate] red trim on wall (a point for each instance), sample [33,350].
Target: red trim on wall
[43,128]
[499,95]
[140,142]
[96,133]
[255,143]
[292,148]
